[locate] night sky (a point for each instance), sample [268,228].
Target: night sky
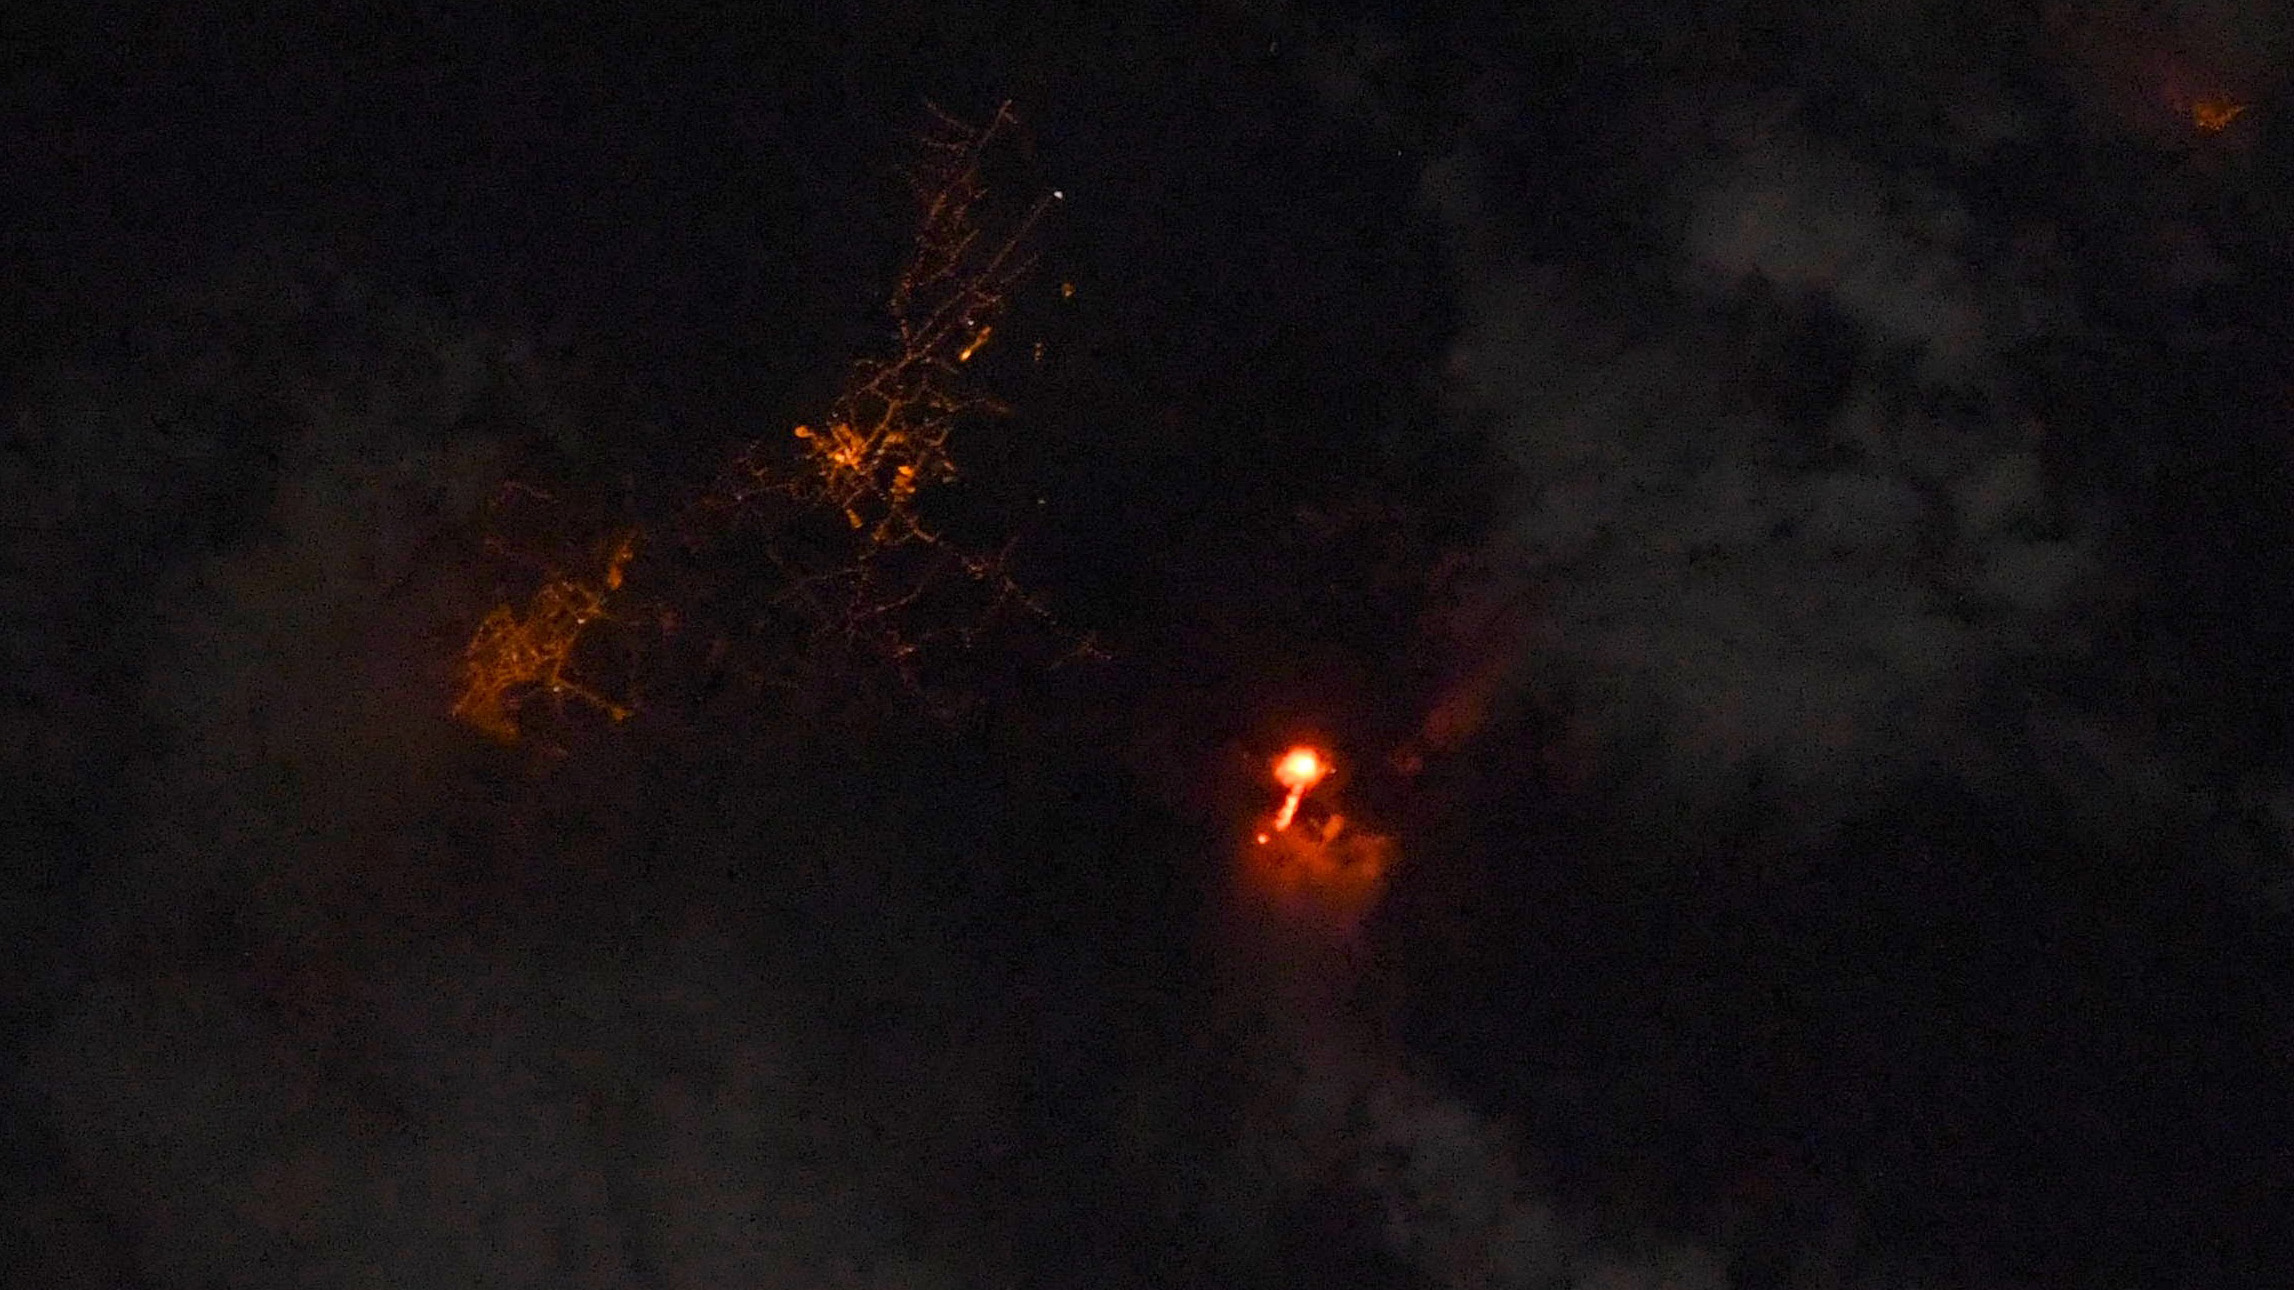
[1776,513]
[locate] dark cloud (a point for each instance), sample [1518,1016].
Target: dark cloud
[1824,534]
[1792,497]
[333,1006]
[1806,591]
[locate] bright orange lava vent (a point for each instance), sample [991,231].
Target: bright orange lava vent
[1322,871]
[1298,770]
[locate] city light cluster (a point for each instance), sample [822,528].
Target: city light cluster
[881,445]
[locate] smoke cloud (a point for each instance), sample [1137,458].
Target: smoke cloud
[1805,523]
[1789,508]
[355,1009]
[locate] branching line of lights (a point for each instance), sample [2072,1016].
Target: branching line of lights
[883,442]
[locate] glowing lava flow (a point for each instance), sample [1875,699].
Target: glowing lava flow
[1298,770]
[1323,875]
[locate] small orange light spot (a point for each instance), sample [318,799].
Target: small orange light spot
[2213,116]
[614,567]
[978,339]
